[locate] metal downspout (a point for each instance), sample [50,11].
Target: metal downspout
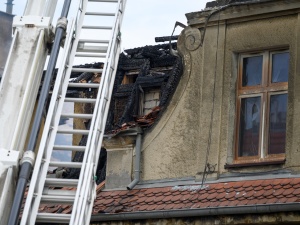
[137,167]
[28,159]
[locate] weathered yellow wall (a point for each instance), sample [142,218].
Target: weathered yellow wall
[262,34]
[198,125]
[177,146]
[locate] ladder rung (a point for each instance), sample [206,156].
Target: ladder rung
[65,164]
[69,131]
[80,100]
[59,192]
[79,116]
[103,1]
[93,41]
[55,182]
[92,49]
[57,199]
[90,55]
[89,70]
[99,14]
[84,85]
[53,218]
[69,148]
[97,27]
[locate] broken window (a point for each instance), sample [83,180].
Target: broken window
[262,105]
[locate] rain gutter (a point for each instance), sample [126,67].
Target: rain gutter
[164,214]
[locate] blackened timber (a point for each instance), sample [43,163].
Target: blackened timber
[172,83]
[153,67]
[166,38]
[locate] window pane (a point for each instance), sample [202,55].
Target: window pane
[277,131]
[280,67]
[249,127]
[252,71]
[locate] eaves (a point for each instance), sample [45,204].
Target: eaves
[164,214]
[244,11]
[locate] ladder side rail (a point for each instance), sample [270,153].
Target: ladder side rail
[46,143]
[61,82]
[81,191]
[105,108]
[80,18]
[104,96]
[41,164]
[115,49]
[89,194]
[98,146]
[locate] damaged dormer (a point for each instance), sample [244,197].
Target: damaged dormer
[145,81]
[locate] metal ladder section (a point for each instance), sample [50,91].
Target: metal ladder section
[79,194]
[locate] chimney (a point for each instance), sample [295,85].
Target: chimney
[9,6]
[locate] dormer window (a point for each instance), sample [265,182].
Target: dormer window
[262,105]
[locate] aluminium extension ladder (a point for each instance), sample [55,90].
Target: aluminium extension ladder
[82,193]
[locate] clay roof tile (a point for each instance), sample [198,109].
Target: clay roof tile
[238,193]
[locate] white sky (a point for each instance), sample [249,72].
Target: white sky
[144,19]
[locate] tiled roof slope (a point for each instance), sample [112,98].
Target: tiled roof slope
[239,193]
[232,194]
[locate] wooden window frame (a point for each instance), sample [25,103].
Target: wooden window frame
[266,89]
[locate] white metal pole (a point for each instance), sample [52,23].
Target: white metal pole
[35,8]
[19,87]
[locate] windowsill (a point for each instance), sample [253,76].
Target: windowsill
[249,164]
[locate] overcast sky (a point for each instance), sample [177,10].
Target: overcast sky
[144,19]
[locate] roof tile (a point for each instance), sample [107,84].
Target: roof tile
[203,196]
[293,199]
[238,184]
[295,181]
[296,192]
[256,183]
[247,184]
[278,192]
[258,193]
[288,191]
[258,188]
[268,192]
[268,187]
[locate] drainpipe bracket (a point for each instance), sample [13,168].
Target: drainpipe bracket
[62,22]
[28,156]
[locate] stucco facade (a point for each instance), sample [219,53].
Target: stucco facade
[178,145]
[194,142]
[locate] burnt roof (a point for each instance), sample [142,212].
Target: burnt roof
[154,67]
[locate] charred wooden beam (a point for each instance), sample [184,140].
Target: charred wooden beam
[166,38]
